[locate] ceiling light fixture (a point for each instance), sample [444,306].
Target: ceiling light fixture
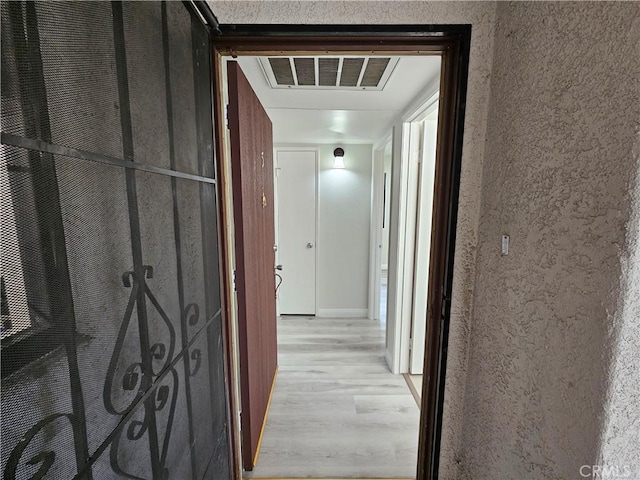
[338,158]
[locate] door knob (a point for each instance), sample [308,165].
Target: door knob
[309,245]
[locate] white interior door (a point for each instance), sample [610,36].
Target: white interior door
[296,171]
[423,246]
[375,254]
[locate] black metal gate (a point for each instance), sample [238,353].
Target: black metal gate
[112,356]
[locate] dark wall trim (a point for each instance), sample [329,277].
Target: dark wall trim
[450,41]
[226,288]
[453,92]
[457,126]
[330,32]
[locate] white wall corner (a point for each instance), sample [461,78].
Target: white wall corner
[389,358]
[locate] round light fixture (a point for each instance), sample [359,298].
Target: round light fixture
[338,158]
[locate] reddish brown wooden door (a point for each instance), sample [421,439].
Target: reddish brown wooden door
[252,179]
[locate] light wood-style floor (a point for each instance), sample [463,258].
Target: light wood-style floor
[337,411]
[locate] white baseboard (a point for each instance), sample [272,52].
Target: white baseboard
[343,312]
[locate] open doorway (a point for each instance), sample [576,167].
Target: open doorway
[331,351]
[380,226]
[429,424]
[401,232]
[421,161]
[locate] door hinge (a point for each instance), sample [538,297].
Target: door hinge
[226,116]
[235,288]
[410,343]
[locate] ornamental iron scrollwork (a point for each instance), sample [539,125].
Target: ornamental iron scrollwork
[45,458]
[141,377]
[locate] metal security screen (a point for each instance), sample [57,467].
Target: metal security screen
[112,355]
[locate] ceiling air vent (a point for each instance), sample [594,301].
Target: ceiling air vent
[341,73]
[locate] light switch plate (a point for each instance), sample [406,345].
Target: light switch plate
[505,245]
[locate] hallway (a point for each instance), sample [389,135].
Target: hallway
[336,410]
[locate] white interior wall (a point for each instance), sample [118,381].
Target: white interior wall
[344,215]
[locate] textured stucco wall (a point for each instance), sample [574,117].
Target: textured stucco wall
[621,432]
[564,111]
[481,16]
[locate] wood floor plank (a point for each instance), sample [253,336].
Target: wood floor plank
[386,404]
[335,371]
[337,411]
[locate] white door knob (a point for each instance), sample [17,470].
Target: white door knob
[309,245]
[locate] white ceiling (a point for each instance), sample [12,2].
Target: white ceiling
[335,116]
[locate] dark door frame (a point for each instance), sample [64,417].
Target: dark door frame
[452,43]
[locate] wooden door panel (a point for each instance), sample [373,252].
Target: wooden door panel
[252,180]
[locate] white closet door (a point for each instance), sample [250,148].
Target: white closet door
[296,183]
